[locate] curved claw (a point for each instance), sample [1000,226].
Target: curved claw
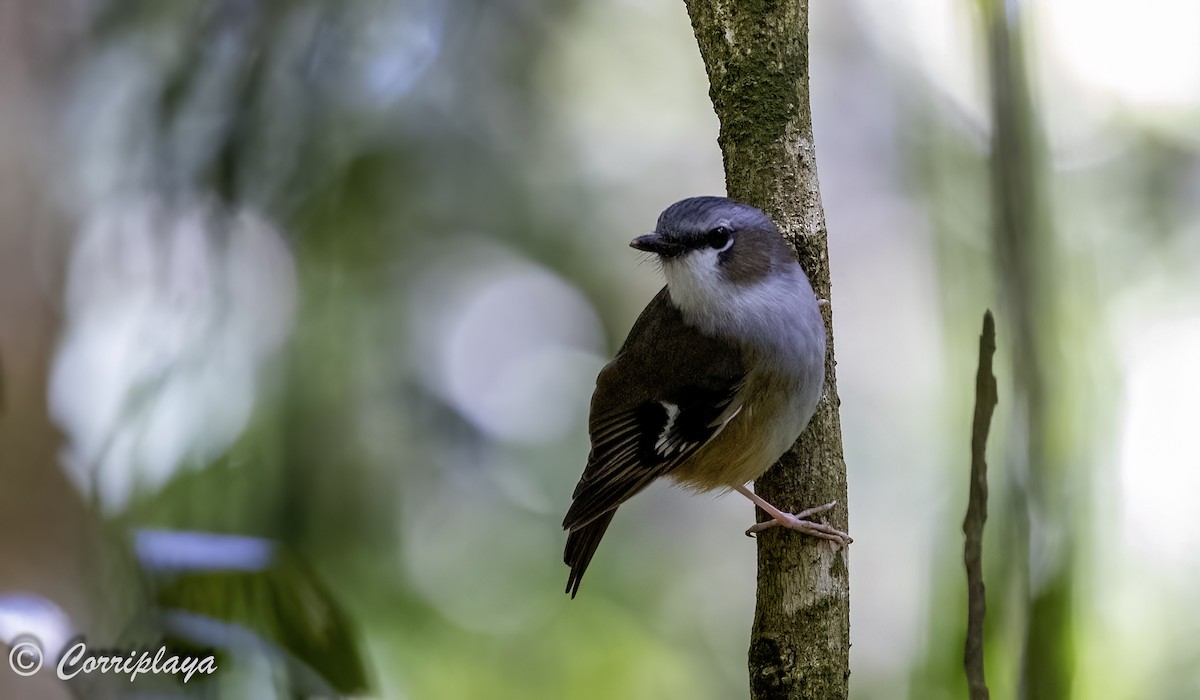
[820,530]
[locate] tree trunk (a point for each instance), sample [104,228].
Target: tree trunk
[756,55]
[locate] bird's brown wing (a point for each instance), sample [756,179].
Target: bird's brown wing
[670,390]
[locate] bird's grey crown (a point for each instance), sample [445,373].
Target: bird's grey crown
[696,216]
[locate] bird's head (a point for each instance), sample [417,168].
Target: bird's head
[713,245]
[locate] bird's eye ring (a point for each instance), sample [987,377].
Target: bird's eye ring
[720,238]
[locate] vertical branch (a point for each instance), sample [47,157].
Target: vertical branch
[985,404]
[1026,260]
[756,56]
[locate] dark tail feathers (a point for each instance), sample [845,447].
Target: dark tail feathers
[581,545]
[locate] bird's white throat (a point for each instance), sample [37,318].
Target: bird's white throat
[772,313]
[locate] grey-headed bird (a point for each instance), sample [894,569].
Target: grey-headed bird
[718,377]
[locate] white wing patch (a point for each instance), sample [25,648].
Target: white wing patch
[665,445]
[670,444]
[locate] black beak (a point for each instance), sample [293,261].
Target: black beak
[655,243]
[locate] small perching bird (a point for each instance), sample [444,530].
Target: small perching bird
[718,377]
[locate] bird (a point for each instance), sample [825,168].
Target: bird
[718,376]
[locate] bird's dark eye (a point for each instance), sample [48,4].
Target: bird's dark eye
[719,237]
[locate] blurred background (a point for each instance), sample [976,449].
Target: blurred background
[302,301]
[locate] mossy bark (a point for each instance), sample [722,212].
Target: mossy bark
[756,55]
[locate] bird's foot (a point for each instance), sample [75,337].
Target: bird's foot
[800,523]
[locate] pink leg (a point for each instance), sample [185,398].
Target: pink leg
[797,522]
